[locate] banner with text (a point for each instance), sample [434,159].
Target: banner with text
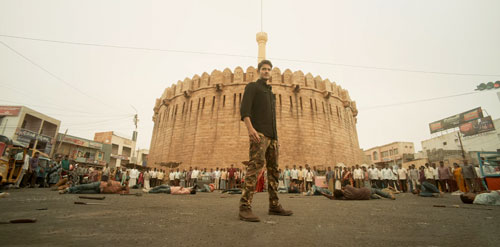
[477,126]
[456,120]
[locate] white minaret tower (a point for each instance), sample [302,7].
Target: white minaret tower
[261,40]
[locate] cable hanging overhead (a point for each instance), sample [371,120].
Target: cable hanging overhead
[253,57]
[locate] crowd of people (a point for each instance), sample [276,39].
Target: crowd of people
[464,178]
[63,173]
[427,180]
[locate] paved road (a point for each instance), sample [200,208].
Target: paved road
[210,219]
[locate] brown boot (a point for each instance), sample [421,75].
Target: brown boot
[279,211]
[247,215]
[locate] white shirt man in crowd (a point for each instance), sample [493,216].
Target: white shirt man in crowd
[309,177]
[160,176]
[395,178]
[380,178]
[403,176]
[177,177]
[134,174]
[294,174]
[300,175]
[436,175]
[287,176]
[429,174]
[217,174]
[373,176]
[413,177]
[154,177]
[171,178]
[194,176]
[24,169]
[386,176]
[358,177]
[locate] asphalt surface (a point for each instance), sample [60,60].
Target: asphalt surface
[211,219]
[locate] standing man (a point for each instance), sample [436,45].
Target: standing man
[287,177]
[294,174]
[414,177]
[436,176]
[386,176]
[154,175]
[217,174]
[373,176]
[444,177]
[358,177]
[194,176]
[258,113]
[429,174]
[133,177]
[403,176]
[65,165]
[171,178]
[183,178]
[188,177]
[33,170]
[329,179]
[468,173]
[301,174]
[338,178]
[105,172]
[232,178]
[160,177]
[177,177]
[24,170]
[223,179]
[380,181]
[309,177]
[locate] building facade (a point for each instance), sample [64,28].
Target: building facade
[122,149]
[29,127]
[83,150]
[391,154]
[142,157]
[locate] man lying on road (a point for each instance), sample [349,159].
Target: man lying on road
[351,193]
[173,190]
[102,187]
[490,198]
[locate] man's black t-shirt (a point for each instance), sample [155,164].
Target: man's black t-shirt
[259,104]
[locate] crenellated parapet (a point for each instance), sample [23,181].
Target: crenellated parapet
[220,80]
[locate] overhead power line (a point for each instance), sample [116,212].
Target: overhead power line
[246,56]
[52,74]
[415,101]
[70,112]
[65,109]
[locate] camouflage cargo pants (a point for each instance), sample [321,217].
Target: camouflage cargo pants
[264,152]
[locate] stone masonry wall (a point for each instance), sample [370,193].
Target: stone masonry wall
[197,121]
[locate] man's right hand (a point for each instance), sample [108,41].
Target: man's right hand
[254,135]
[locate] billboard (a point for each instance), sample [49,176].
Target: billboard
[477,126]
[9,110]
[456,120]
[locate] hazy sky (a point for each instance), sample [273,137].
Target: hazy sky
[99,84]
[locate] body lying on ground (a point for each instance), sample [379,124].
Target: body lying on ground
[428,190]
[351,193]
[173,190]
[109,187]
[490,198]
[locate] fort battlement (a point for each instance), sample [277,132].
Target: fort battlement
[219,81]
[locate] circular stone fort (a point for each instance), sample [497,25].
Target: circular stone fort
[197,121]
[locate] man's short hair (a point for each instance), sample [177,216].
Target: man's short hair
[264,62]
[338,194]
[466,199]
